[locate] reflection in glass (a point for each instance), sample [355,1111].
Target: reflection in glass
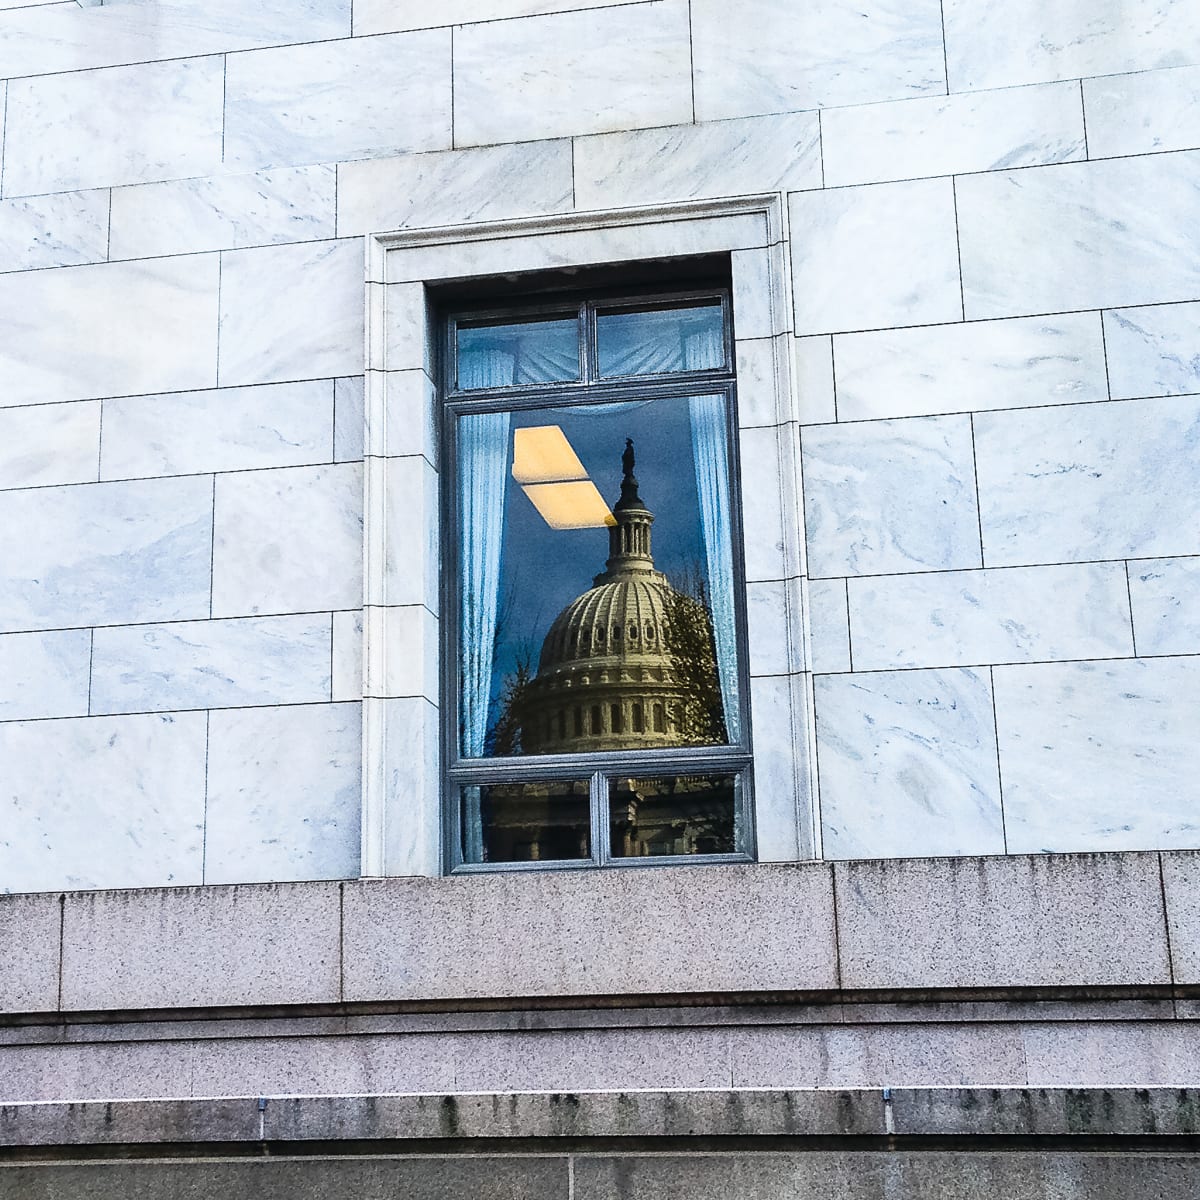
[526,822]
[518,352]
[678,814]
[653,340]
[645,657]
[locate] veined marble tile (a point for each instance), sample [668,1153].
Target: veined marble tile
[775,622]
[950,135]
[411,556]
[212,664]
[230,429]
[767,57]
[1090,482]
[73,130]
[284,794]
[1100,756]
[409,665]
[968,367]
[330,101]
[783,807]
[102,802]
[388,16]
[908,764]
[348,655]
[44,674]
[291,312]
[873,257]
[49,443]
[116,303]
[1153,351]
[590,71]
[1143,113]
[1165,594]
[288,540]
[293,204]
[105,553]
[683,162]
[816,401]
[449,186]
[36,41]
[966,618]
[64,230]
[888,496]
[829,625]
[1028,41]
[1080,235]
[349,419]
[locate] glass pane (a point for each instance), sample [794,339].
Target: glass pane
[526,822]
[518,352]
[595,565]
[650,341]
[678,814]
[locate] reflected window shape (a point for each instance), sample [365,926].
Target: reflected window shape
[495,354]
[653,341]
[673,815]
[534,821]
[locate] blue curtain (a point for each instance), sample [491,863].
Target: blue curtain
[482,481]
[710,455]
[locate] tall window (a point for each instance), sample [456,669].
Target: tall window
[594,641]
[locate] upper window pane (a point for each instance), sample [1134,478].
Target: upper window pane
[517,352]
[651,341]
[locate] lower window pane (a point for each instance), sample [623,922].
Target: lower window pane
[677,814]
[526,822]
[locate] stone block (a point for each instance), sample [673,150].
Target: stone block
[349,418]
[348,655]
[46,444]
[29,946]
[1165,597]
[1181,885]
[1017,921]
[829,625]
[1153,351]
[1144,112]
[65,229]
[1116,1054]
[44,674]
[686,929]
[190,948]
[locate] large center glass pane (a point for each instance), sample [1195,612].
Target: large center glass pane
[596,576]
[517,352]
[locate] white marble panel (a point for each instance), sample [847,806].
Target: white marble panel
[74,130]
[212,664]
[762,378]
[761,306]
[1143,113]
[348,655]
[91,34]
[1090,482]
[890,496]
[1080,235]
[1012,614]
[408,663]
[829,625]
[349,420]
[293,204]
[387,16]
[330,101]
[44,674]
[105,553]
[288,540]
[783,819]
[291,312]
[1030,41]
[412,417]
[230,429]
[412,832]
[49,443]
[1100,756]
[769,57]
[487,183]
[1165,595]
[411,535]
[816,398]
[972,366]
[284,794]
[950,135]
[102,802]
[770,535]
[684,162]
[775,626]
[64,230]
[873,257]
[908,764]
[591,71]
[1153,351]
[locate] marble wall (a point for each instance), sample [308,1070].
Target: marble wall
[993,342]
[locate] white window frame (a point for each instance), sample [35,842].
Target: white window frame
[402,823]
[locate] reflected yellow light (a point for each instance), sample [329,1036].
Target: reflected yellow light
[570,505]
[542,454]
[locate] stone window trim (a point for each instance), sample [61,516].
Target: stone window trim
[402,826]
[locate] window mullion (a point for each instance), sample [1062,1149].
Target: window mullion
[600,801]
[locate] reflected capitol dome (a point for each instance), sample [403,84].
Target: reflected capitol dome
[628,664]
